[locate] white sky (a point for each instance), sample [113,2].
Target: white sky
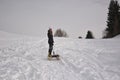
[34,17]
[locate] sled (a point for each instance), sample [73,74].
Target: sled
[55,56]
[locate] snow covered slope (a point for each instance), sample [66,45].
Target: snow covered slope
[26,59]
[118,36]
[7,35]
[7,38]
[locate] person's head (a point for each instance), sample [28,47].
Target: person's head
[50,30]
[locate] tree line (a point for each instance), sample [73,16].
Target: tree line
[62,33]
[113,23]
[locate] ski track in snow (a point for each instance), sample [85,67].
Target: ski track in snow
[79,60]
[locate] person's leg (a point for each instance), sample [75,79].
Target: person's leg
[50,50]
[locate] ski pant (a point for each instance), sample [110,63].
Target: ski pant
[50,48]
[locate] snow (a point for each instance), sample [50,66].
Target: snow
[7,35]
[80,59]
[118,36]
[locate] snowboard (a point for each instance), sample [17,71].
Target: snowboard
[55,56]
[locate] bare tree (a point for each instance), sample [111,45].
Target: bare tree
[60,33]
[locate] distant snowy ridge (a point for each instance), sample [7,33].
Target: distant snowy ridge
[9,35]
[4,34]
[7,38]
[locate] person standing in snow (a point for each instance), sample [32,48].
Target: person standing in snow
[50,41]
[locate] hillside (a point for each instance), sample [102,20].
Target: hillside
[80,59]
[7,35]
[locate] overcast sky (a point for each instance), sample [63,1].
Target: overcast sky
[34,17]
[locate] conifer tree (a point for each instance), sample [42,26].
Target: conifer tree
[113,19]
[89,35]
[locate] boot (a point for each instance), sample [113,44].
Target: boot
[49,54]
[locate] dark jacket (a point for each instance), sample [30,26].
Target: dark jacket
[50,37]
